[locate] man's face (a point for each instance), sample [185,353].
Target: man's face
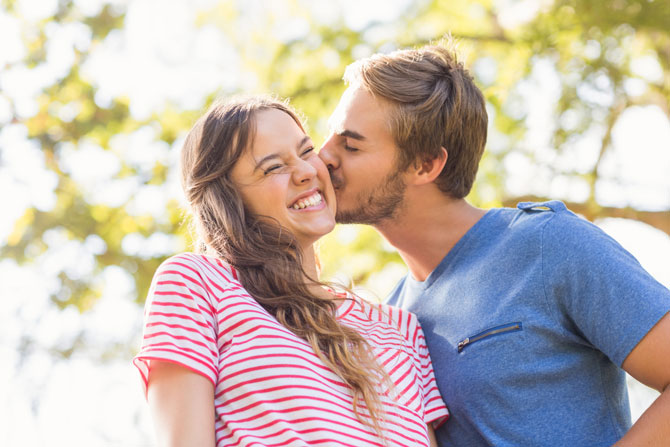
[360,154]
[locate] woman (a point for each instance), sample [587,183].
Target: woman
[242,344]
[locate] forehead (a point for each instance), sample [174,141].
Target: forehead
[276,130]
[359,111]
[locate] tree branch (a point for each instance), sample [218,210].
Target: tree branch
[614,115]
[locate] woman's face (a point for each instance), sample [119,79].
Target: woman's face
[282,177]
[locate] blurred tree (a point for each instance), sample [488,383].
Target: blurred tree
[583,53]
[589,49]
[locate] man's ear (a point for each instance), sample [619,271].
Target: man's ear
[426,171]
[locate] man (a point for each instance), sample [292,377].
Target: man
[531,315]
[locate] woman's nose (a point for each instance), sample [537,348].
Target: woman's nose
[303,172]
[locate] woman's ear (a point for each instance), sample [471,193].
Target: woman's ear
[426,171]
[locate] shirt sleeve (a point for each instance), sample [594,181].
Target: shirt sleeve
[434,409]
[601,291]
[179,321]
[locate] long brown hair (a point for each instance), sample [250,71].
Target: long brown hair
[266,256]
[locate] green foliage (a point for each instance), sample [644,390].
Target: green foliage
[589,45]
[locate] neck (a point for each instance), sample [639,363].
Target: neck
[309,262]
[309,266]
[427,227]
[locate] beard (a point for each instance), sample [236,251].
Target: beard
[377,204]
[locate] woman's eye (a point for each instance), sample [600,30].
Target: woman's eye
[271,169]
[308,151]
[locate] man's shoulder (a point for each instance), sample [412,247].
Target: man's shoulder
[540,214]
[551,220]
[527,217]
[564,231]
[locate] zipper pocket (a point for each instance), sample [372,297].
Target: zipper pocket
[511,327]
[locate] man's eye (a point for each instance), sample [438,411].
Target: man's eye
[349,148]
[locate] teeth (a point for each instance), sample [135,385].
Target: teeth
[309,201]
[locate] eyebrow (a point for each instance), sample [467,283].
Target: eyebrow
[351,134]
[304,140]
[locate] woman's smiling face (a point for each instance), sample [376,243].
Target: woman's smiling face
[281,177]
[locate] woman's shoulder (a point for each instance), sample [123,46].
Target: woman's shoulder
[402,320]
[198,267]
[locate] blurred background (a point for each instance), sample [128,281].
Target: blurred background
[96,97]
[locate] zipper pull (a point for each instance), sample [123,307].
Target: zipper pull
[463,344]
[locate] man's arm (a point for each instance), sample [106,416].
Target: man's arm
[649,362]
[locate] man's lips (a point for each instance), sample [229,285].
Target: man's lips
[337,182]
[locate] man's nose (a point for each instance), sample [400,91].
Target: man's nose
[329,155]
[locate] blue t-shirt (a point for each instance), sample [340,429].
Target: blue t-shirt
[528,320]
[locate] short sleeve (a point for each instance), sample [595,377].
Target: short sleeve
[601,290]
[434,409]
[179,321]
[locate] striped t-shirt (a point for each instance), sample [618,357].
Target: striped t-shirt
[271,389]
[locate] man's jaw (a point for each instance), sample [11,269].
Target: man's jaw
[375,207]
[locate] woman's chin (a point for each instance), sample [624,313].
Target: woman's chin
[315,234]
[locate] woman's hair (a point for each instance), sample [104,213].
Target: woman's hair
[267,258]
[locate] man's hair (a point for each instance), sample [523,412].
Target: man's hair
[433,103]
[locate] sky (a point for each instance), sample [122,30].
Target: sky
[151,61]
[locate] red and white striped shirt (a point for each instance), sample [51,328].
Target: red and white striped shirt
[271,389]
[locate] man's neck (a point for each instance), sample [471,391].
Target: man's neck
[427,228]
